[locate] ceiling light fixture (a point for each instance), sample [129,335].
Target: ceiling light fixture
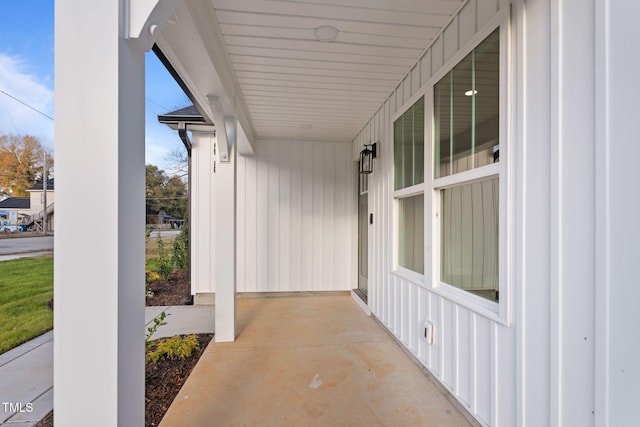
[471,92]
[326,33]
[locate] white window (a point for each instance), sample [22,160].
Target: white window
[468,175]
[408,183]
[411,232]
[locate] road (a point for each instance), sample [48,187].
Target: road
[21,247]
[26,244]
[164,233]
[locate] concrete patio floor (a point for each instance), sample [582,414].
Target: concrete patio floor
[309,361]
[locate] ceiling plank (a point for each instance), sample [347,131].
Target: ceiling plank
[410,6]
[262,31]
[291,77]
[311,71]
[321,56]
[437,13]
[315,46]
[311,22]
[393,69]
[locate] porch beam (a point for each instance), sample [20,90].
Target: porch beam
[195,41]
[99,271]
[146,19]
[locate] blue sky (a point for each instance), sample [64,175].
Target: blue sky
[26,73]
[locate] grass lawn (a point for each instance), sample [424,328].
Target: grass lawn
[152,246]
[151,252]
[26,286]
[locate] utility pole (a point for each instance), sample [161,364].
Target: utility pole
[44,193]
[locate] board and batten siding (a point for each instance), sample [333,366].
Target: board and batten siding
[473,356]
[295,210]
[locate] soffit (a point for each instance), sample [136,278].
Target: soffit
[296,86]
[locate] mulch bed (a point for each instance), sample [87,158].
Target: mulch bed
[170,292]
[164,379]
[47,421]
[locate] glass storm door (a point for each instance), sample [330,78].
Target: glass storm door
[363,231]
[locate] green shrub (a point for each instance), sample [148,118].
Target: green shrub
[165,266]
[176,347]
[181,249]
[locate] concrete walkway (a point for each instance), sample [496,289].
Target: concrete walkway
[26,372]
[26,382]
[309,361]
[181,319]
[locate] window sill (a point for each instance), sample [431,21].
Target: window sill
[482,306]
[477,304]
[410,275]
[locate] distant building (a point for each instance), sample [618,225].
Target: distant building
[27,213]
[161,219]
[12,211]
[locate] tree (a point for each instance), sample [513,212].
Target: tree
[21,161]
[165,193]
[178,162]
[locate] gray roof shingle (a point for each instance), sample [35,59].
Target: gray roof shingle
[16,203]
[38,185]
[188,114]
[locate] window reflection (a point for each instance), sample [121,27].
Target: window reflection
[466,111]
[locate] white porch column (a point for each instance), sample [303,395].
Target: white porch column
[214,231]
[225,248]
[99,244]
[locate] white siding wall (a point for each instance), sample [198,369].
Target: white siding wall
[568,355]
[473,356]
[295,224]
[618,213]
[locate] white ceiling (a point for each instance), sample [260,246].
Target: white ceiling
[296,86]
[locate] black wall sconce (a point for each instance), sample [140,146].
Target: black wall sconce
[366,158]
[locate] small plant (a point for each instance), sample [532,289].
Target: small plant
[157,322]
[165,266]
[181,249]
[151,276]
[176,347]
[147,235]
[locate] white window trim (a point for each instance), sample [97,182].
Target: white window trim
[414,190]
[467,177]
[498,311]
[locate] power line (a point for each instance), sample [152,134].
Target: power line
[27,105]
[154,102]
